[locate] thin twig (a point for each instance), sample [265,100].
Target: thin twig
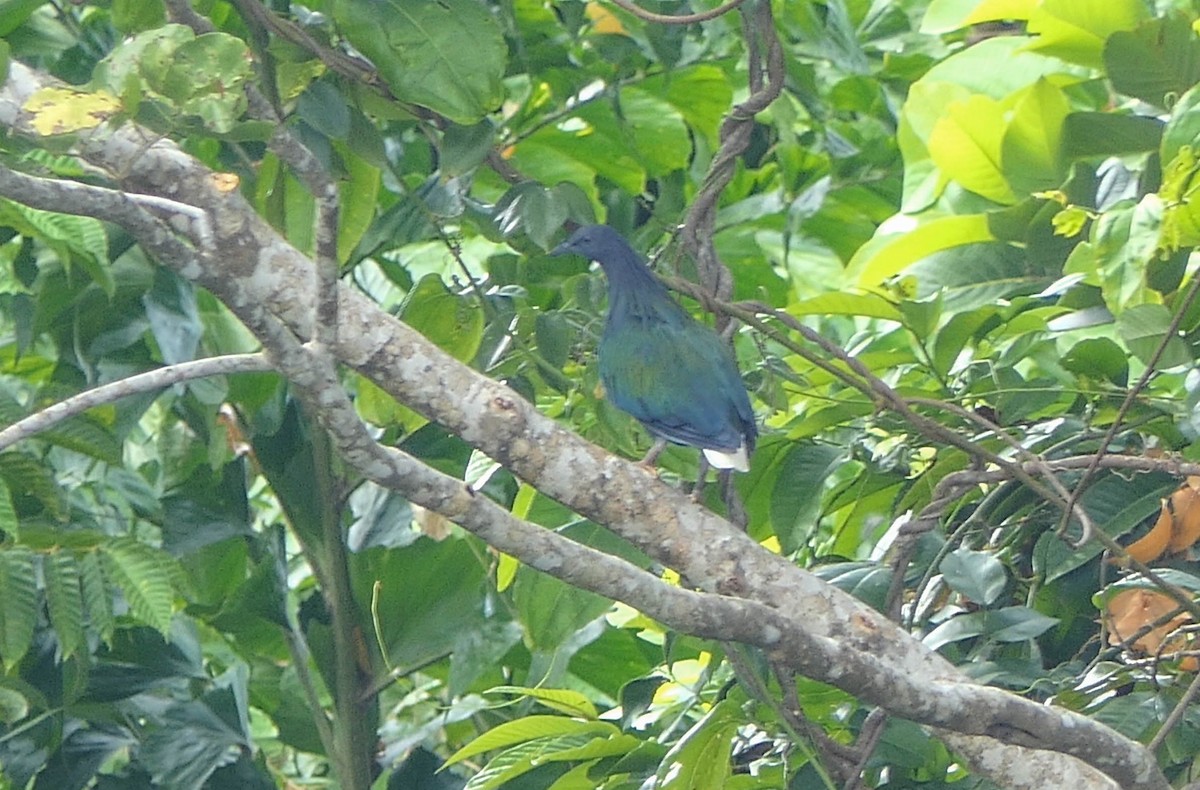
[1131,397]
[681,19]
[143,382]
[1177,714]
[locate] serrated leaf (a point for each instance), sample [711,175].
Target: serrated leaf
[143,575]
[96,596]
[10,525]
[18,615]
[26,476]
[83,435]
[64,601]
[78,239]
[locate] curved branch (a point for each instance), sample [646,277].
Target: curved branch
[961,707]
[736,130]
[142,382]
[680,19]
[269,285]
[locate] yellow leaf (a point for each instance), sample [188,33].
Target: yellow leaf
[603,20]
[66,110]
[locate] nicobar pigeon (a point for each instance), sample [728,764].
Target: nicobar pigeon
[672,373]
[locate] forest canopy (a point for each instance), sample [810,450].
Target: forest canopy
[308,479]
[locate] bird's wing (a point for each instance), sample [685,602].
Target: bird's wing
[679,381]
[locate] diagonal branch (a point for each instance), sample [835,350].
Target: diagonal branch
[269,286]
[149,381]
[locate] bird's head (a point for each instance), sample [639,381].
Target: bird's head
[594,242]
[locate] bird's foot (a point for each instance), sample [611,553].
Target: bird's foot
[649,467]
[651,458]
[701,479]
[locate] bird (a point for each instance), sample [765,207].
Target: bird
[657,363]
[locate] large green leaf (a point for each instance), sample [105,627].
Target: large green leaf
[1030,151]
[1156,62]
[448,56]
[1075,30]
[893,253]
[965,144]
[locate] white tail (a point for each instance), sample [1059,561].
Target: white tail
[738,459]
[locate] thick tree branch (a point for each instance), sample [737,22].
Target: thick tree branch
[269,285]
[960,707]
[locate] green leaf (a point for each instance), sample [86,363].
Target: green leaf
[171,308]
[529,728]
[75,239]
[876,263]
[465,147]
[454,323]
[700,93]
[1030,149]
[143,574]
[10,525]
[976,574]
[1075,30]
[429,595]
[842,303]
[358,196]
[945,16]
[1098,357]
[571,703]
[419,47]
[18,615]
[26,476]
[965,144]
[1156,62]
[700,760]
[96,596]
[132,16]
[1144,329]
[84,435]
[189,743]
[1183,128]
[1087,135]
[14,13]
[1116,505]
[552,611]
[1132,715]
[64,601]
[1010,624]
[796,494]
[867,581]
[533,209]
[13,705]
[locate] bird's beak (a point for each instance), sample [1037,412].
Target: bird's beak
[562,249]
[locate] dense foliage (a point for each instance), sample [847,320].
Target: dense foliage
[985,208]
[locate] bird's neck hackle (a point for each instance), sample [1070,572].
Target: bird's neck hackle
[633,290]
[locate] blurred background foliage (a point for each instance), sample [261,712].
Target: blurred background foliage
[988,204]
